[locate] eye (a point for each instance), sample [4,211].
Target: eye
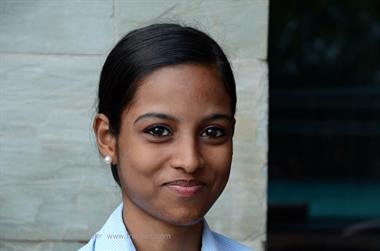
[213,132]
[158,131]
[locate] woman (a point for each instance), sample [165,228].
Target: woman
[165,122]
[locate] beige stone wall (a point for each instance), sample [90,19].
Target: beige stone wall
[54,190]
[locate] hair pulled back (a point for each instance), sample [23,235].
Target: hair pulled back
[150,48]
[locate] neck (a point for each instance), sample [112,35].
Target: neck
[151,234]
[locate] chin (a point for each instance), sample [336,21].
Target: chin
[184,217]
[186,221]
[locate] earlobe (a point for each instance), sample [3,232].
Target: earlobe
[105,140]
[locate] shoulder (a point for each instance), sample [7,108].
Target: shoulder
[89,246]
[229,244]
[212,241]
[112,236]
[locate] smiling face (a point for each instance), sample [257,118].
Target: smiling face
[174,149]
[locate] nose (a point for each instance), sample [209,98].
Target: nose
[187,155]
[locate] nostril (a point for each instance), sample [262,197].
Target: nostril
[189,163]
[187,155]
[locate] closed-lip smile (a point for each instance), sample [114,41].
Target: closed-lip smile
[185,188]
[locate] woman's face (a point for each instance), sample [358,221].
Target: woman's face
[174,149]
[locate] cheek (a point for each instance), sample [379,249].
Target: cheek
[139,164]
[219,155]
[137,171]
[219,161]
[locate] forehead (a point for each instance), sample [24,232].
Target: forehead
[187,87]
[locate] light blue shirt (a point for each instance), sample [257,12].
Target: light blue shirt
[113,236]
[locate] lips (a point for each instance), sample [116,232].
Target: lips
[185,188]
[185,183]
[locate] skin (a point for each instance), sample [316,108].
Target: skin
[178,127]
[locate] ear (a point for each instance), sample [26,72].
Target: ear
[105,140]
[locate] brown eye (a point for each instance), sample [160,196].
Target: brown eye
[158,131]
[213,132]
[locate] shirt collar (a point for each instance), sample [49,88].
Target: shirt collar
[114,236]
[208,241]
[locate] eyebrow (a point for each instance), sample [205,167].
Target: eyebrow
[155,115]
[214,116]
[217,116]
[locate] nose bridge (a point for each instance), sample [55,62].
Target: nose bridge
[187,154]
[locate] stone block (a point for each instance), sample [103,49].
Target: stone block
[53,185]
[38,246]
[40,26]
[240,27]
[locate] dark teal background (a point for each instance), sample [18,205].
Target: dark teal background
[324,109]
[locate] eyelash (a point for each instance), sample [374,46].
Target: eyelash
[221,132]
[150,130]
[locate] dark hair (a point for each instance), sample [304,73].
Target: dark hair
[147,49]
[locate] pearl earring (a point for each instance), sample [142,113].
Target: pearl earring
[107,159]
